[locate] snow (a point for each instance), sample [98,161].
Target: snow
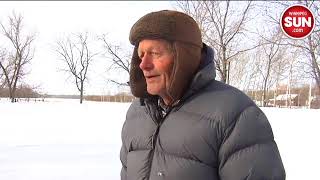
[60,140]
[297,135]
[63,140]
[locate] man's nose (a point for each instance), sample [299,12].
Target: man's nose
[146,63]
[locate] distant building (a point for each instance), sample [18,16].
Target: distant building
[285,100]
[315,102]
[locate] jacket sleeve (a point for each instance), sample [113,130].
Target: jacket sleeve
[248,150]
[123,153]
[123,157]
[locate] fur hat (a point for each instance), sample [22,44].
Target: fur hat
[184,33]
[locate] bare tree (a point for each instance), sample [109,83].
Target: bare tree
[75,53]
[2,79]
[242,71]
[118,58]
[313,43]
[310,46]
[223,27]
[17,55]
[273,62]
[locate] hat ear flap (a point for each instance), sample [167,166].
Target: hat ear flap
[137,83]
[186,63]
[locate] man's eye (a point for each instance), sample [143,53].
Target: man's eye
[140,55]
[154,53]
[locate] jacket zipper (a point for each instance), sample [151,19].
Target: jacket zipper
[153,145]
[155,138]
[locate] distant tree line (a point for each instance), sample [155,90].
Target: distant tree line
[121,97]
[22,91]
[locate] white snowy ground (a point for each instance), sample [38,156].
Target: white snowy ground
[63,140]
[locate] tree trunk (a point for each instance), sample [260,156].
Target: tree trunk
[315,67]
[310,95]
[289,84]
[81,92]
[265,84]
[274,98]
[13,91]
[16,77]
[264,93]
[11,96]
[228,73]
[224,65]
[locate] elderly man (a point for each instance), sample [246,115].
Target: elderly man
[185,125]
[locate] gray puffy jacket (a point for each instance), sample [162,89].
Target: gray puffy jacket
[215,132]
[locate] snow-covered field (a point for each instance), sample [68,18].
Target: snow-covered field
[63,140]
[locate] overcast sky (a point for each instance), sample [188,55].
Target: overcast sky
[50,20]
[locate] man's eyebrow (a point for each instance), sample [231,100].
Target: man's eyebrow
[150,49]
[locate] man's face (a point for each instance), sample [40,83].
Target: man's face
[156,63]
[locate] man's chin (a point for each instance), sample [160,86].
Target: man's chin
[153,91]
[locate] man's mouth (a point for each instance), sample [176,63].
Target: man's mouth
[150,77]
